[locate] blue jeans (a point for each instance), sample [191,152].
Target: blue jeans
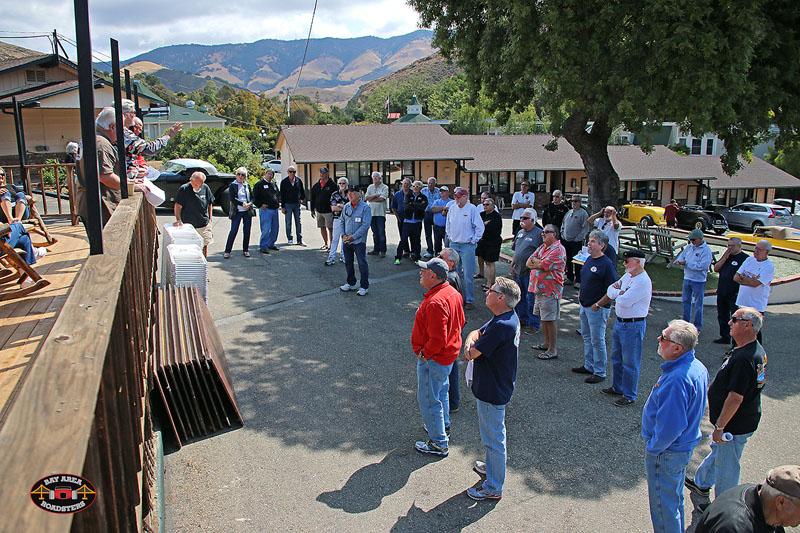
[410,236]
[293,209]
[432,385]
[268,219]
[453,391]
[593,330]
[427,221]
[665,475]
[240,216]
[360,251]
[466,268]
[626,356]
[524,308]
[492,423]
[721,467]
[378,226]
[439,237]
[19,238]
[693,295]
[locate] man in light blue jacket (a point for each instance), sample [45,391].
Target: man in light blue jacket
[696,260]
[671,424]
[353,225]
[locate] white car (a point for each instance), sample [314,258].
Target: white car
[785,202]
[274,165]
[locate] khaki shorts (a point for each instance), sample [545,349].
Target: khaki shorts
[325,220]
[547,308]
[206,233]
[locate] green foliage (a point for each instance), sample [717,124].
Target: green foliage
[786,159]
[226,149]
[336,115]
[49,174]
[679,148]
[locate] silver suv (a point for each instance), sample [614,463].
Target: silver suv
[751,215]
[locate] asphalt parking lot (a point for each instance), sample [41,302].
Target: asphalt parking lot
[326,384]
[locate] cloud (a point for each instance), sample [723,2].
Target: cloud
[146,24]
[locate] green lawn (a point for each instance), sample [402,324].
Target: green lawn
[671,279]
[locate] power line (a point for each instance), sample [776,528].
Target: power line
[308,39]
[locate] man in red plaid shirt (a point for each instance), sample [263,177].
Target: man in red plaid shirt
[547,266]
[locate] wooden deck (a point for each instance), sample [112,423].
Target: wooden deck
[26,322]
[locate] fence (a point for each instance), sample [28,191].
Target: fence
[83,408]
[54,179]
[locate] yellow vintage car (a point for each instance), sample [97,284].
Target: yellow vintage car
[778,235]
[636,212]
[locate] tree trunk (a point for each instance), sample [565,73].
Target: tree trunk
[593,149]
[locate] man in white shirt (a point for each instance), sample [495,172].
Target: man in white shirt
[606,221]
[695,259]
[754,277]
[632,294]
[464,229]
[521,201]
[377,194]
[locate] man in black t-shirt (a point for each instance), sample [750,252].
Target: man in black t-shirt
[765,508]
[734,407]
[193,205]
[727,289]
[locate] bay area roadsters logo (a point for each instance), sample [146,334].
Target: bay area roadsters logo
[63,493]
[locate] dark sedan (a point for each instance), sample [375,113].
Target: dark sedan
[176,172]
[694,217]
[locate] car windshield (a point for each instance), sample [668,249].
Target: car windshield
[172,166]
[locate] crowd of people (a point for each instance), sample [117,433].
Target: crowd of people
[459,234]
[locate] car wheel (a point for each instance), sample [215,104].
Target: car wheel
[646,222]
[756,224]
[700,224]
[224,201]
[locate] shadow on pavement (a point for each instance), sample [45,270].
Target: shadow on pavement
[457,512]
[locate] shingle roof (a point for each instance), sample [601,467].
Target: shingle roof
[12,51]
[371,142]
[494,153]
[757,174]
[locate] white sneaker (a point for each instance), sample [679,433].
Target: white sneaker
[362,291]
[480,467]
[341,259]
[40,252]
[347,287]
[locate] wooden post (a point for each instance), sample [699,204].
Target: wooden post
[122,170]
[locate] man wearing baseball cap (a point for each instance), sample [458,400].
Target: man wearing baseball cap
[436,341]
[769,507]
[695,259]
[465,228]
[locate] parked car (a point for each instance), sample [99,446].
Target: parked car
[752,215]
[777,235]
[689,217]
[274,165]
[176,172]
[785,202]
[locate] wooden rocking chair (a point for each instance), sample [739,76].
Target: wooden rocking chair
[35,224]
[16,270]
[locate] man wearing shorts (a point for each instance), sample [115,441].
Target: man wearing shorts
[321,193]
[547,266]
[193,205]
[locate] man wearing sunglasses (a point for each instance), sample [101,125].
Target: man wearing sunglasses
[696,260]
[292,194]
[671,423]
[734,406]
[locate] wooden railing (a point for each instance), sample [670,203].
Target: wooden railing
[83,408]
[56,179]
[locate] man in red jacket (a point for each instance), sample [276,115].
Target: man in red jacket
[436,341]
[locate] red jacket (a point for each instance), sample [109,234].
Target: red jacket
[437,326]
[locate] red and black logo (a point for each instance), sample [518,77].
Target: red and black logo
[63,493]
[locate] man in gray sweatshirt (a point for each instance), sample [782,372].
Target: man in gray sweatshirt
[573,229]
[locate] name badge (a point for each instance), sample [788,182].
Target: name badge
[358,219]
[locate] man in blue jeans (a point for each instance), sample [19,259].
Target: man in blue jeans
[696,260]
[465,228]
[631,294]
[734,406]
[266,198]
[671,424]
[353,225]
[292,195]
[493,350]
[526,241]
[597,274]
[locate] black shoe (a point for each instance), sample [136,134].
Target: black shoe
[454,409]
[594,378]
[373,252]
[263,251]
[273,248]
[623,402]
[579,332]
[694,487]
[581,370]
[721,341]
[611,392]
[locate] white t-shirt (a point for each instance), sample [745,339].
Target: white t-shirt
[756,297]
[633,296]
[608,228]
[520,198]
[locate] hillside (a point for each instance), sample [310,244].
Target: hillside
[334,67]
[429,70]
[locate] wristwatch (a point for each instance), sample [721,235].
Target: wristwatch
[719,428]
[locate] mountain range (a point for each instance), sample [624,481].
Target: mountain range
[335,68]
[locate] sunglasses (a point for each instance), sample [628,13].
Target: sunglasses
[240,174]
[524,218]
[736,319]
[291,171]
[663,338]
[487,291]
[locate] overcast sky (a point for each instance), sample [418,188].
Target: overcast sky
[142,25]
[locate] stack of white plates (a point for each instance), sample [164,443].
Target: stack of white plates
[185,234]
[186,267]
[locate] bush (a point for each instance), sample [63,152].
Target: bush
[225,149]
[679,148]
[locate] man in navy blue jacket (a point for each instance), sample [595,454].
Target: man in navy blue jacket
[671,424]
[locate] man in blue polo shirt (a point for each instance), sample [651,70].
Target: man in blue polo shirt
[432,193]
[439,210]
[493,350]
[353,225]
[597,273]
